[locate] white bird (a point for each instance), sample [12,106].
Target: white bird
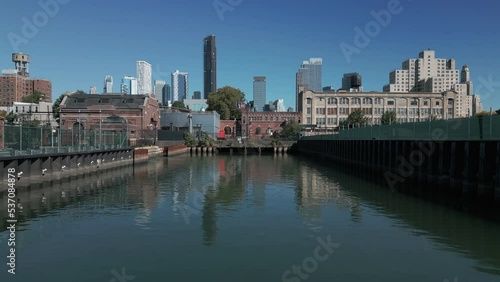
[43,171]
[63,194]
[43,198]
[19,205]
[63,167]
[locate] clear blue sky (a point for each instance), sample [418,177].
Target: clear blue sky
[86,40]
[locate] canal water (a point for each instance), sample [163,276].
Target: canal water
[242,218]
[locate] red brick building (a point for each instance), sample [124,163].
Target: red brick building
[137,114]
[14,87]
[257,125]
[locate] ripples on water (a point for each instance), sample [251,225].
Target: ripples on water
[244,219]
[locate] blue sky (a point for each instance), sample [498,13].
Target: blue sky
[83,41]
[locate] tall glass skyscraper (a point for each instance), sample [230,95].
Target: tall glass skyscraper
[259,93]
[209,66]
[166,96]
[159,88]
[180,86]
[108,84]
[310,75]
[144,78]
[129,85]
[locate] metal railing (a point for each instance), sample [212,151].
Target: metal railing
[473,128]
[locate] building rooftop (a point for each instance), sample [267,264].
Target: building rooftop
[119,101]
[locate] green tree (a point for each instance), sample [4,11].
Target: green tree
[11,117]
[389,117]
[357,118]
[225,102]
[291,130]
[30,123]
[36,97]
[205,141]
[56,106]
[498,112]
[189,139]
[433,117]
[178,104]
[485,113]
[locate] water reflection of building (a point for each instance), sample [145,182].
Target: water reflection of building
[314,189]
[145,189]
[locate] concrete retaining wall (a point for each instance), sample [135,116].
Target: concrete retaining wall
[28,170]
[175,150]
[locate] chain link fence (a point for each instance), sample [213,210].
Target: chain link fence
[23,140]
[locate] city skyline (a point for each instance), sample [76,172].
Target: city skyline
[261,49]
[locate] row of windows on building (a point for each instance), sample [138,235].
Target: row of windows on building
[379,111]
[376,121]
[270,118]
[377,101]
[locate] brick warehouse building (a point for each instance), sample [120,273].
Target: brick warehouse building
[16,84]
[14,87]
[139,115]
[256,125]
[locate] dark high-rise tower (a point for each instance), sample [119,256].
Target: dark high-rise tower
[259,93]
[209,66]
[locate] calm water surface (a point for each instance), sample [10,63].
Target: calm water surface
[267,218]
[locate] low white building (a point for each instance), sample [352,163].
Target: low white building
[196,105]
[32,111]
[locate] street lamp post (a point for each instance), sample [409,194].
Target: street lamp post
[190,119]
[198,132]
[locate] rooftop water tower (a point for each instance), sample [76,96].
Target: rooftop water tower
[21,62]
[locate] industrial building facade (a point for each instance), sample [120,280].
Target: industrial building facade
[330,110]
[137,114]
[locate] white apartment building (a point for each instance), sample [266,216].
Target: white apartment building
[108,84]
[435,75]
[144,78]
[279,105]
[180,86]
[32,111]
